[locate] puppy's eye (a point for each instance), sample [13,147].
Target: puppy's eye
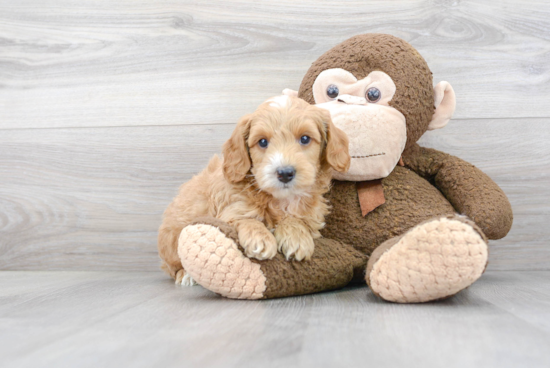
[332,91]
[263,143]
[373,94]
[305,140]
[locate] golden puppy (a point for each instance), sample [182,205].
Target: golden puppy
[269,185]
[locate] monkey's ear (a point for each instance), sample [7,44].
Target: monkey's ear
[445,103]
[236,161]
[290,92]
[337,151]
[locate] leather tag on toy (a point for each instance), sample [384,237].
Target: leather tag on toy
[371,195]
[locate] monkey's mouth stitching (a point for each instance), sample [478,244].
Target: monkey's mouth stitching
[376,154]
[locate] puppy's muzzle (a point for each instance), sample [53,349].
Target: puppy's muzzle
[286,174]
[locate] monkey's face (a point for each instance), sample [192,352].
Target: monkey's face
[377,132]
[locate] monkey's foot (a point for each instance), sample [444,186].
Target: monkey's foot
[210,254]
[434,260]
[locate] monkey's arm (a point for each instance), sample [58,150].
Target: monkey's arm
[468,189]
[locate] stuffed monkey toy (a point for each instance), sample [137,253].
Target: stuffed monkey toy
[412,222]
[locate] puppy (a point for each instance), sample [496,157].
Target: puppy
[269,184]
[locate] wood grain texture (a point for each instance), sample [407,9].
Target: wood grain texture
[84,319]
[106,108]
[137,62]
[92,198]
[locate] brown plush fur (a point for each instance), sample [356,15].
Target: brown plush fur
[242,188]
[467,188]
[410,200]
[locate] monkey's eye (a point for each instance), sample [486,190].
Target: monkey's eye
[263,143]
[305,140]
[373,94]
[332,91]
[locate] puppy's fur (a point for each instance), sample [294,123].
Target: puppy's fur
[245,190]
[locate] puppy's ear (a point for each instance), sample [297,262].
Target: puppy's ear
[236,160]
[337,149]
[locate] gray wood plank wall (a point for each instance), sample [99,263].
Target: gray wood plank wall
[105,109]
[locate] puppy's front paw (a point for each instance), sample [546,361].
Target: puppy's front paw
[184,279]
[258,242]
[294,241]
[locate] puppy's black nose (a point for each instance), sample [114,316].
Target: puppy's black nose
[286,174]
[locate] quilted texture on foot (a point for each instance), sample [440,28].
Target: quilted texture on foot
[215,262]
[434,260]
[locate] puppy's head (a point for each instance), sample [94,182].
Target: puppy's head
[286,143]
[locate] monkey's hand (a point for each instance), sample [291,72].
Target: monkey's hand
[467,188]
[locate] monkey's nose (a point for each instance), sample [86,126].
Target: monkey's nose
[352,100]
[286,174]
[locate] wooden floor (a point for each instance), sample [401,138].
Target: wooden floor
[101,319]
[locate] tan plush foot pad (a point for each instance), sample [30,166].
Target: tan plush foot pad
[214,261]
[434,260]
